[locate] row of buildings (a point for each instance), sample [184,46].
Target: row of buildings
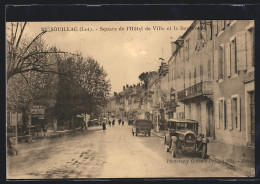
[209,77]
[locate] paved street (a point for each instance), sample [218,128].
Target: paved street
[114,153]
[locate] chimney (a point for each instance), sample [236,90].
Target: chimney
[127,86]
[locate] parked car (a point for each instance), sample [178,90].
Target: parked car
[142,126]
[182,135]
[93,122]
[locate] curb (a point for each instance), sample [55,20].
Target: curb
[158,135]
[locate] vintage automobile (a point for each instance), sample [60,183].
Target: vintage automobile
[182,135]
[93,122]
[142,126]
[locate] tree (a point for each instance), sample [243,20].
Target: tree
[146,78]
[25,55]
[84,89]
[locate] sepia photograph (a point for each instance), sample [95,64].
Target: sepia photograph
[130,99]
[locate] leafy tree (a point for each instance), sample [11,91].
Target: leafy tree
[84,89]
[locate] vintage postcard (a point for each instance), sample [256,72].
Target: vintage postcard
[130,99]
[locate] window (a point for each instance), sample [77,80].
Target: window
[251,45]
[235,111]
[222,114]
[209,69]
[221,62]
[227,59]
[233,55]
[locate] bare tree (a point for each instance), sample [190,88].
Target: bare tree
[25,55]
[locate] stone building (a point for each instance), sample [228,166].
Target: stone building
[190,76]
[234,81]
[211,77]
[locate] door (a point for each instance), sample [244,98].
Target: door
[252,115]
[199,117]
[210,122]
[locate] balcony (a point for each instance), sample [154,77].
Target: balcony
[202,89]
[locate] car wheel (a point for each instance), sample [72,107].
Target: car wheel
[204,151]
[173,149]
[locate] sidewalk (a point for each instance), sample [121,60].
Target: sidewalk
[53,134]
[239,158]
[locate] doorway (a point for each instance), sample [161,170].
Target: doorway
[210,121]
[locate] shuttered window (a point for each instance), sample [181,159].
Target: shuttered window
[209,69]
[229,114]
[251,46]
[241,51]
[222,114]
[221,62]
[227,59]
[217,113]
[233,56]
[216,65]
[235,108]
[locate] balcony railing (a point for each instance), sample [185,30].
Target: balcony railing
[204,88]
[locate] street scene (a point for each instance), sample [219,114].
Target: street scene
[113,153]
[130,99]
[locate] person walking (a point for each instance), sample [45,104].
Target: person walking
[123,123]
[113,122]
[104,125]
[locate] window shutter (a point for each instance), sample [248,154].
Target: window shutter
[238,113]
[241,51]
[217,113]
[229,115]
[224,115]
[216,65]
[227,59]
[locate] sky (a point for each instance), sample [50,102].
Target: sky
[124,48]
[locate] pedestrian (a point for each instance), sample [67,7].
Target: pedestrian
[104,125]
[123,123]
[109,122]
[113,122]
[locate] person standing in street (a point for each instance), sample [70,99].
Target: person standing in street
[113,122]
[123,123]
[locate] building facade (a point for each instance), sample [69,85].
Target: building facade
[234,81]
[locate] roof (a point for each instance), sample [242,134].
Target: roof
[183,120]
